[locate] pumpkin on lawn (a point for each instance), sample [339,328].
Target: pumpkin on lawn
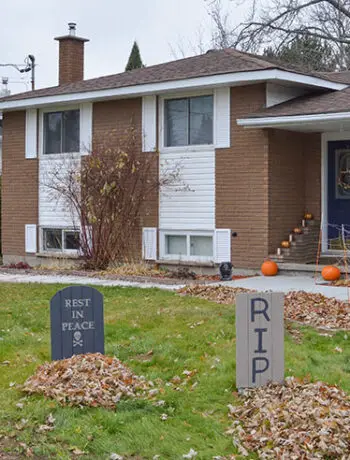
[269,268]
[330,273]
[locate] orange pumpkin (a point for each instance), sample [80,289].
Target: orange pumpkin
[330,273]
[285,244]
[297,230]
[308,216]
[269,268]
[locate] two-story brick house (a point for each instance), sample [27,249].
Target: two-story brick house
[259,144]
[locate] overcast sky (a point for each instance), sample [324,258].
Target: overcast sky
[28,27]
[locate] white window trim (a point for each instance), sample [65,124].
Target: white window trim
[56,251]
[188,258]
[41,132]
[183,148]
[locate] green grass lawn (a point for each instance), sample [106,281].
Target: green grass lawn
[137,321]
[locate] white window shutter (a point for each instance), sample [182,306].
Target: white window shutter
[85,128]
[222,117]
[149,243]
[30,238]
[222,245]
[149,123]
[31,133]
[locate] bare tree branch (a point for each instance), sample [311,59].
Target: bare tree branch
[276,23]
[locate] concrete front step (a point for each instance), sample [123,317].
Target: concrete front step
[303,247]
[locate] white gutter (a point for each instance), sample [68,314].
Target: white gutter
[290,120]
[231,79]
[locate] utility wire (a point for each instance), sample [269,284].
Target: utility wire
[16,66]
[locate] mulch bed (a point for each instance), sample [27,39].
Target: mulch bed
[297,420]
[306,308]
[159,279]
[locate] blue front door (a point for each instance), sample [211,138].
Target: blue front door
[338,192]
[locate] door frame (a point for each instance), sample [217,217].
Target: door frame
[327,137]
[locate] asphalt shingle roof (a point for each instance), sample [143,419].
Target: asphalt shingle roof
[213,62]
[331,102]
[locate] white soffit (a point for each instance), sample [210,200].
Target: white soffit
[229,79]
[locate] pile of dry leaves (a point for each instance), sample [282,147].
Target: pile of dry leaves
[317,310]
[308,308]
[88,380]
[216,293]
[298,420]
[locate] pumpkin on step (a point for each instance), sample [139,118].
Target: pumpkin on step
[297,231]
[308,216]
[285,244]
[269,268]
[330,273]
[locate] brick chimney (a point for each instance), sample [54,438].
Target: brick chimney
[71,56]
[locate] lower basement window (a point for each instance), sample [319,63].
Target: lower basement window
[60,240]
[187,246]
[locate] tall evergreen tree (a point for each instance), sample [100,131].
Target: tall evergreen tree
[135,61]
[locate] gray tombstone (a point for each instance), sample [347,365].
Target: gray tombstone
[259,339]
[76,322]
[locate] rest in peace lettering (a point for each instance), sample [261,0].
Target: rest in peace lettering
[77,311]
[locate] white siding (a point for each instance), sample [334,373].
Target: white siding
[190,204]
[149,123]
[53,211]
[276,94]
[31,133]
[222,117]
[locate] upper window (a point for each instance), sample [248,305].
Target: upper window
[189,121]
[61,132]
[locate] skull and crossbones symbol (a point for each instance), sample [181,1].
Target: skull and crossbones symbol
[77,339]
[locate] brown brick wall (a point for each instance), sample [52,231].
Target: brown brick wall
[265,181]
[112,120]
[71,61]
[19,185]
[312,162]
[242,181]
[294,181]
[286,184]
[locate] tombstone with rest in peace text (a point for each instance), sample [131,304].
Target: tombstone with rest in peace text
[76,322]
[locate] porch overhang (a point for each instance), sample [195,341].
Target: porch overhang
[320,122]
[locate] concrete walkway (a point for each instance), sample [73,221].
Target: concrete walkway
[280,283]
[285,283]
[66,279]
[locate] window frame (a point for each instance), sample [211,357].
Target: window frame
[188,257]
[162,123]
[53,109]
[63,231]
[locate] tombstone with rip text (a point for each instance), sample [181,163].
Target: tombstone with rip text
[259,339]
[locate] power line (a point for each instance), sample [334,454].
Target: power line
[28,66]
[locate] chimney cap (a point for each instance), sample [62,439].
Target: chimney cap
[72,30]
[72,27]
